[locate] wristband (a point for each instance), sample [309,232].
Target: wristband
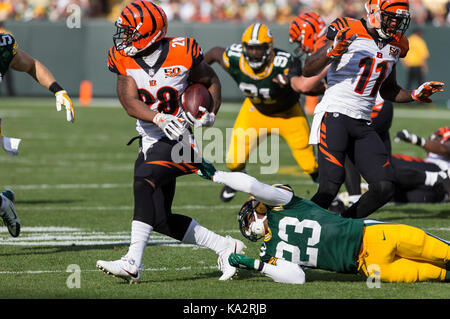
[55,87]
[420,141]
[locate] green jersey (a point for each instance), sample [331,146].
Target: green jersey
[308,235]
[8,49]
[266,95]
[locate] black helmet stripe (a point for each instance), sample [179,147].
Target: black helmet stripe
[397,4]
[161,13]
[140,11]
[153,18]
[124,16]
[131,12]
[312,25]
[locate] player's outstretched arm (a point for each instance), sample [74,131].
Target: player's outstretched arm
[284,271]
[215,56]
[428,145]
[391,91]
[23,62]
[267,194]
[317,61]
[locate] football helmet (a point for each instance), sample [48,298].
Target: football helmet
[257,45]
[442,134]
[249,224]
[388,17]
[140,24]
[305,30]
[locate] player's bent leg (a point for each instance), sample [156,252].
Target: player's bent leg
[379,193]
[223,246]
[407,271]
[325,194]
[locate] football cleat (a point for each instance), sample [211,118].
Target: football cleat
[227,194]
[234,246]
[123,268]
[337,206]
[8,213]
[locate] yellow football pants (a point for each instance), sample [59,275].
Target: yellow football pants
[249,127]
[403,253]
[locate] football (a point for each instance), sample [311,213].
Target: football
[193,97]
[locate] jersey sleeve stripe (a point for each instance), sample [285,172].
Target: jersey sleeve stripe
[188,45]
[346,23]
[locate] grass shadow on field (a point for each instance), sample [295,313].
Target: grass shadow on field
[414,213]
[49,250]
[46,201]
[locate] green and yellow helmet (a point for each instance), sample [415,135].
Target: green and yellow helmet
[257,44]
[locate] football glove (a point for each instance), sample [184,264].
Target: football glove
[62,98]
[422,93]
[241,261]
[340,44]
[207,118]
[281,79]
[171,125]
[206,169]
[408,137]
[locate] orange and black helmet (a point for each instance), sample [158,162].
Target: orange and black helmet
[306,29]
[140,24]
[388,17]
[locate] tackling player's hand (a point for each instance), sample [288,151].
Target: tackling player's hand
[171,125]
[241,261]
[425,90]
[408,137]
[206,119]
[340,44]
[206,169]
[62,98]
[281,79]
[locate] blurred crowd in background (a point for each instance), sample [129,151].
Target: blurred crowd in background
[434,12]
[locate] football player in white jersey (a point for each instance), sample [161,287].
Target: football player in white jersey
[423,179]
[362,55]
[152,73]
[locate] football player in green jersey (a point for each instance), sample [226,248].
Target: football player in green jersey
[263,74]
[19,60]
[298,233]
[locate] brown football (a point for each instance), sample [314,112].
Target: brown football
[193,97]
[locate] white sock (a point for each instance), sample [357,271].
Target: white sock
[140,234]
[199,235]
[431,178]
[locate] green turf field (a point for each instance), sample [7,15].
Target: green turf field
[74,197]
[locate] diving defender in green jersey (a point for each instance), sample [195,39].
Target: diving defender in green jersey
[19,60]
[298,233]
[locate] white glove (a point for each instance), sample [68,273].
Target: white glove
[207,118]
[171,125]
[62,98]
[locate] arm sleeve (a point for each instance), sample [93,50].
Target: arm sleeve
[284,272]
[264,193]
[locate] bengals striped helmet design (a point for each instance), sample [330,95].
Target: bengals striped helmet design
[140,24]
[388,17]
[306,29]
[257,43]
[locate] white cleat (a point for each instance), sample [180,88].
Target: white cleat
[235,246]
[8,213]
[124,268]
